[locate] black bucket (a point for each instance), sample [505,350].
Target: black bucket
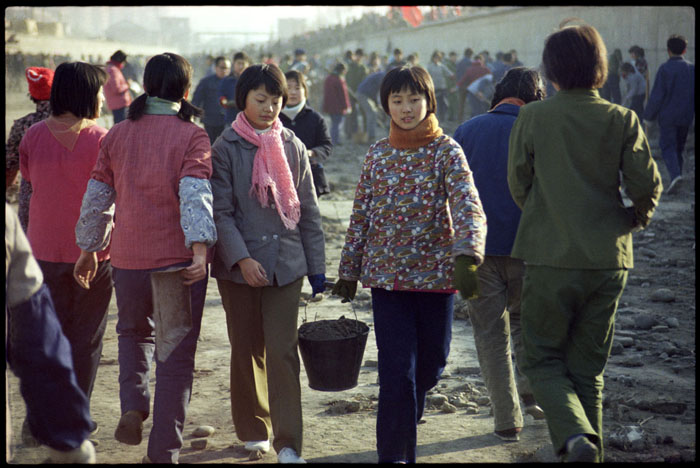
[333,364]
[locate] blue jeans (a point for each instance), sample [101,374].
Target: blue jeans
[370,116]
[40,356]
[413,332]
[672,142]
[336,123]
[136,334]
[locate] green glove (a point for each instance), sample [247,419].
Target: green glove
[345,289]
[466,279]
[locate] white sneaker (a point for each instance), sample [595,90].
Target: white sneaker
[85,453]
[289,455]
[260,445]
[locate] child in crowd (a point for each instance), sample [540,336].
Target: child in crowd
[416,234]
[567,158]
[635,88]
[336,101]
[152,175]
[56,158]
[495,314]
[270,236]
[309,126]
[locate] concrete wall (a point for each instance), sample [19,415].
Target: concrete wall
[525,29]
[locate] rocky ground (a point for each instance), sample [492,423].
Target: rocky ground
[649,397]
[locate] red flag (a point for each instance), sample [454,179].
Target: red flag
[413,15]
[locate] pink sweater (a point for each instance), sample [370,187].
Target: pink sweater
[144,161]
[59,178]
[116,89]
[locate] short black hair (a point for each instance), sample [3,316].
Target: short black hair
[241,56]
[677,44]
[627,67]
[268,75]
[299,78]
[118,57]
[522,83]
[575,57]
[75,88]
[415,78]
[167,76]
[219,59]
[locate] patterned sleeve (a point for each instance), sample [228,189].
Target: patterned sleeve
[94,227]
[12,146]
[356,236]
[197,211]
[465,205]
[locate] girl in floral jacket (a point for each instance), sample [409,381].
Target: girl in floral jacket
[416,233]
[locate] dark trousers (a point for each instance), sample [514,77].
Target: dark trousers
[637,104]
[672,142]
[413,332]
[213,131]
[119,114]
[137,348]
[39,354]
[82,314]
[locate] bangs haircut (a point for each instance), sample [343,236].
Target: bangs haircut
[576,57]
[167,76]
[414,78]
[268,75]
[75,88]
[299,78]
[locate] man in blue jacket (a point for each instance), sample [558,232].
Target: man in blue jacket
[672,101]
[206,96]
[495,314]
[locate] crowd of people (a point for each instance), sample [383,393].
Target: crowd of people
[239,165]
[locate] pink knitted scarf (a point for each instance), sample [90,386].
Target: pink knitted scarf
[271,170]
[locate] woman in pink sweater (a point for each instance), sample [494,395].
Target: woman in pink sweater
[56,158]
[152,176]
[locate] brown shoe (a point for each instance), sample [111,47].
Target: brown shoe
[130,428]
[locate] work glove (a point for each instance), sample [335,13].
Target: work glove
[466,279]
[318,284]
[345,289]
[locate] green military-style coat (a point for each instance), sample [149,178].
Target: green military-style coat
[568,158]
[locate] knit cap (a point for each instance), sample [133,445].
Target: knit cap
[39,79]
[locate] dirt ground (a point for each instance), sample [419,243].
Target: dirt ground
[650,380]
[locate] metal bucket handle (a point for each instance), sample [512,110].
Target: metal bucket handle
[352,304]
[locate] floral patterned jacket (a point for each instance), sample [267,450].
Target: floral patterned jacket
[19,127]
[414,211]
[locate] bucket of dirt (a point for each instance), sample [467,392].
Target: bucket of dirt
[332,352]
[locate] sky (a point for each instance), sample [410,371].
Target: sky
[263,19]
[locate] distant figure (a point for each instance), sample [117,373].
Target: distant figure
[640,64]
[336,101]
[442,78]
[672,102]
[309,126]
[611,89]
[635,88]
[117,91]
[207,96]
[478,83]
[227,87]
[39,80]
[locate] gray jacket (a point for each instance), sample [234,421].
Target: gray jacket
[246,229]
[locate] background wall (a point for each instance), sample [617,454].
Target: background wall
[525,29]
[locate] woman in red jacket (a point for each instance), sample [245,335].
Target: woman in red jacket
[336,101]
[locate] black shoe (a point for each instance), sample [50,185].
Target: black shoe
[583,450]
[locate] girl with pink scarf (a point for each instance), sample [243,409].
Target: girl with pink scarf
[269,236]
